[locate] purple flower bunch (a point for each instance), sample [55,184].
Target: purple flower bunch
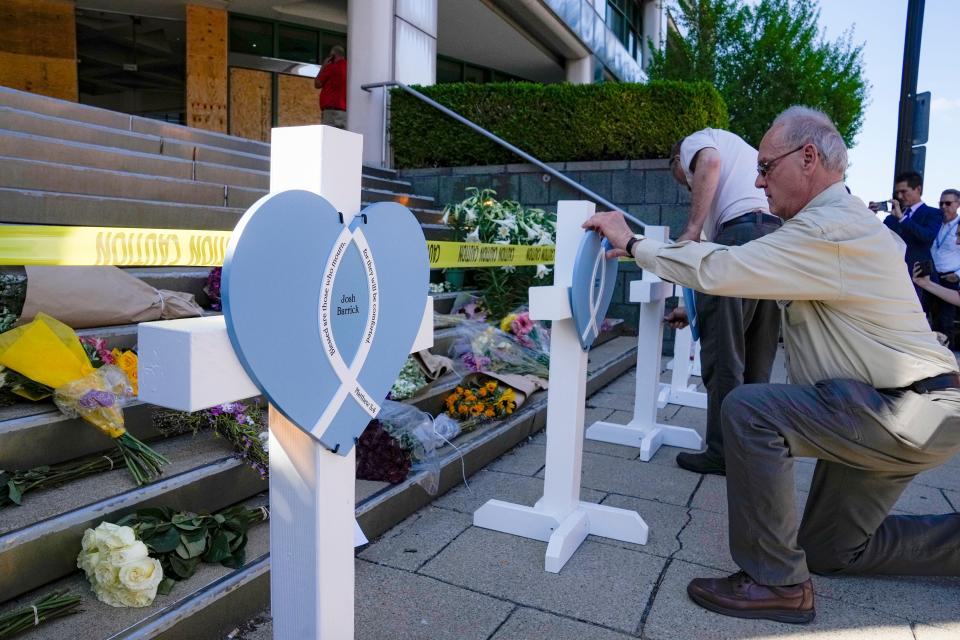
[212,288]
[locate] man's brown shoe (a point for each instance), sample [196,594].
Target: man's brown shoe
[739,596]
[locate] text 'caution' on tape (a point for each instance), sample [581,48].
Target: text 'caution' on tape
[131,247]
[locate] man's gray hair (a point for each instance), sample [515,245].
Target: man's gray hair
[951,192]
[804,125]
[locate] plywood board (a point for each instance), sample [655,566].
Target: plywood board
[38,50]
[251,104]
[298,102]
[207,68]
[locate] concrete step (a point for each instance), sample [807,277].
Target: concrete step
[35,147]
[380,172]
[23,206]
[207,605]
[406,199]
[370,181]
[187,279]
[26,146]
[46,550]
[36,175]
[103,117]
[42,125]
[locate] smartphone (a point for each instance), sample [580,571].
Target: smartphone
[926,267]
[882,205]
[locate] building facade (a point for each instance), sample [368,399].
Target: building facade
[244,66]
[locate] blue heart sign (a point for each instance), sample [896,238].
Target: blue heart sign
[594,278]
[322,309]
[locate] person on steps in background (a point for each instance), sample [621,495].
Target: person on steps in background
[332,83]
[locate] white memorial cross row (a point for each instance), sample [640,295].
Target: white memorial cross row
[643,431]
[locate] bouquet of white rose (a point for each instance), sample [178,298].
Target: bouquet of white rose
[118,566]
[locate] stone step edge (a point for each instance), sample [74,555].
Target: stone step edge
[23,542]
[254,576]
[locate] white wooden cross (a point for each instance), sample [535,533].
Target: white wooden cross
[190,365]
[643,431]
[685,363]
[560,518]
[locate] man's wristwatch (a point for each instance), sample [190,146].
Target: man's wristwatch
[632,241]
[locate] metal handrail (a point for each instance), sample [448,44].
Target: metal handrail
[506,145]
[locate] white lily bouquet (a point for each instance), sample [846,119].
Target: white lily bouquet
[119,567]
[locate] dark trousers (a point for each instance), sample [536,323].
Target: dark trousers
[942,313]
[738,338]
[861,471]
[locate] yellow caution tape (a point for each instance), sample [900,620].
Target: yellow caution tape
[128,247]
[444,255]
[122,247]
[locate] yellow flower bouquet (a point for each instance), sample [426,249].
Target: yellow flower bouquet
[49,352]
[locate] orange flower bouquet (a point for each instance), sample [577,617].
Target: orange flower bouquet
[480,400]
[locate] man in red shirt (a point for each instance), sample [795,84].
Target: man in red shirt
[332,81]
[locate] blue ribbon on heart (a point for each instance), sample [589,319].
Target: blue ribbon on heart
[322,309]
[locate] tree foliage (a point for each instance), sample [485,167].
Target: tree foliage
[764,57]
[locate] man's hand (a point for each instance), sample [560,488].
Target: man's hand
[895,209]
[690,234]
[677,319]
[612,226]
[952,278]
[921,281]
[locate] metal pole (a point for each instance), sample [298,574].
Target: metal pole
[908,85]
[506,145]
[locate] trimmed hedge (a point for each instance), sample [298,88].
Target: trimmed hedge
[554,123]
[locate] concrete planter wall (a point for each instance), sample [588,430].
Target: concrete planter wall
[643,188]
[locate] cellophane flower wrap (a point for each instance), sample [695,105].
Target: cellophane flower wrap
[50,353]
[403,439]
[478,347]
[119,567]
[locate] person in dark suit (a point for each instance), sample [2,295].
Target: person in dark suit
[916,223]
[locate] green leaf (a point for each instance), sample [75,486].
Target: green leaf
[165,542]
[185,522]
[14,492]
[182,569]
[165,586]
[193,548]
[219,549]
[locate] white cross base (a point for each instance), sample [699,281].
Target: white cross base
[190,365]
[560,518]
[643,431]
[685,363]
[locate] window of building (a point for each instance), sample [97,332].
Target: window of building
[453,70]
[251,36]
[269,39]
[132,64]
[302,45]
[625,20]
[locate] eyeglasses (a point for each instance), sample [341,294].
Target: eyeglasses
[765,167]
[947,203]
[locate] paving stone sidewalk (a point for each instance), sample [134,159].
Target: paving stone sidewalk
[436,576]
